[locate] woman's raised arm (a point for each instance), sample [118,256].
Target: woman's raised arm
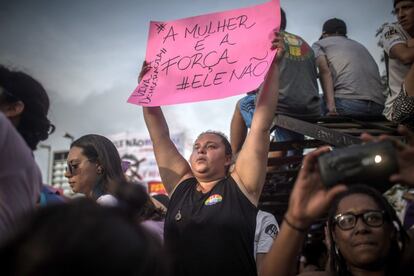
[250,168]
[172,166]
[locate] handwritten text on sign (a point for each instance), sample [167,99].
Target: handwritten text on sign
[209,56]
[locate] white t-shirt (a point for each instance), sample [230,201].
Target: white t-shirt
[267,229]
[107,200]
[20,177]
[391,35]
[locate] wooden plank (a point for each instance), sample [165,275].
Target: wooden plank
[378,125]
[340,125]
[284,160]
[356,131]
[362,122]
[295,145]
[332,137]
[287,173]
[348,118]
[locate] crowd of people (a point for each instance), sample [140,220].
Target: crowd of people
[211,224]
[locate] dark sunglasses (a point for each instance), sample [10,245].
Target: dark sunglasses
[72,168]
[372,218]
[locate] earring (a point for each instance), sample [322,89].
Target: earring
[99,171]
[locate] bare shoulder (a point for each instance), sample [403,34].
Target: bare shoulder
[184,178]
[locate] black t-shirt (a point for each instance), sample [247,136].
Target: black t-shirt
[211,233]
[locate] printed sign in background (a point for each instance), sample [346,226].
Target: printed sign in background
[209,56]
[137,149]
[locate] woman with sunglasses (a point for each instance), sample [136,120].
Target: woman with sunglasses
[94,168]
[365,234]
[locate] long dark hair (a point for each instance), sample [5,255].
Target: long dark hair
[34,125]
[133,197]
[338,263]
[102,151]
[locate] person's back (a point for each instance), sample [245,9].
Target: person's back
[20,178]
[298,91]
[355,72]
[298,94]
[348,74]
[25,104]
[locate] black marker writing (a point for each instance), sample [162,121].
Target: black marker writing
[171,33]
[148,85]
[208,60]
[223,25]
[201,80]
[160,27]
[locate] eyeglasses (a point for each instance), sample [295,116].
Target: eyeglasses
[71,168]
[372,218]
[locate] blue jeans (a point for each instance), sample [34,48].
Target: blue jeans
[247,107]
[346,107]
[284,135]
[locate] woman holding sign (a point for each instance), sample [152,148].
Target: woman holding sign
[211,217]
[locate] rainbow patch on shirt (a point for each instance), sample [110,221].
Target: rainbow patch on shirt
[214,199]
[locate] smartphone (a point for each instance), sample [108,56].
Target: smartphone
[370,164]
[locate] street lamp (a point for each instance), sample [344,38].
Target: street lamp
[49,154]
[69,136]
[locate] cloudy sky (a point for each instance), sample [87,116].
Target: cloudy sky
[87,54]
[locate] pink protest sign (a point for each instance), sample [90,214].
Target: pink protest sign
[208,57]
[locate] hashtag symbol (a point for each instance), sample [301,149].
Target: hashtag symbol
[160,27]
[184,85]
[163,50]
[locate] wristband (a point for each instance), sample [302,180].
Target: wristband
[299,229]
